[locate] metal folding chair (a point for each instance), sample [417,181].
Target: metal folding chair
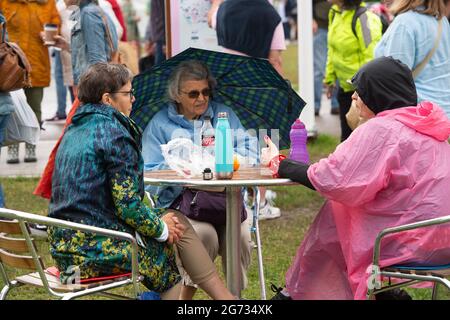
[21,253]
[410,274]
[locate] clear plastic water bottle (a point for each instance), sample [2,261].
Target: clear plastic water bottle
[223,148]
[208,137]
[299,136]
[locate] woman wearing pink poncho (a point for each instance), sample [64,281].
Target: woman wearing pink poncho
[392,170]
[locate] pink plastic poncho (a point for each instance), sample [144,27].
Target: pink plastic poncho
[393,170]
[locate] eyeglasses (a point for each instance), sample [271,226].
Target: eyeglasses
[194,94]
[131,93]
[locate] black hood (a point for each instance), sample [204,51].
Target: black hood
[384,84]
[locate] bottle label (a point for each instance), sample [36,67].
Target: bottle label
[207,141]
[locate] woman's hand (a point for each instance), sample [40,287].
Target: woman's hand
[329,89]
[62,43]
[315,26]
[214,5]
[176,228]
[267,154]
[270,157]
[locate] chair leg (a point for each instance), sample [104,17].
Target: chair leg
[255,229]
[7,288]
[260,263]
[4,292]
[435,291]
[370,295]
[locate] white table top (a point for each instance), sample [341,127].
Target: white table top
[254,176]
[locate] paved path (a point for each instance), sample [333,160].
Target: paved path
[326,124]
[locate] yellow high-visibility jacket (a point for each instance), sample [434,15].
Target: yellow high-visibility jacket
[347,52]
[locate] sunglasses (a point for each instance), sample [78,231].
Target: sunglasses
[194,94]
[131,93]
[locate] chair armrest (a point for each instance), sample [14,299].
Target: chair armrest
[23,217]
[405,227]
[150,199]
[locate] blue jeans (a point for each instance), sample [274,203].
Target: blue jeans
[61,89]
[320,47]
[3,119]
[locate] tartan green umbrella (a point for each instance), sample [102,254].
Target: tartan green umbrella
[261,98]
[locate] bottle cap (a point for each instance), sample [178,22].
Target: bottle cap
[207,174]
[222,115]
[298,124]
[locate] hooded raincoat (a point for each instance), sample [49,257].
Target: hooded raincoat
[392,170]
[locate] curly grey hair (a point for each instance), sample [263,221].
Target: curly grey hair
[186,71]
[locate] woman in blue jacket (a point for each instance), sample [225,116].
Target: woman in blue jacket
[189,89]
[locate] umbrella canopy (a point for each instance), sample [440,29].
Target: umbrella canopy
[261,98]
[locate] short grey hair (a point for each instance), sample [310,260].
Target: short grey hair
[186,71]
[100,78]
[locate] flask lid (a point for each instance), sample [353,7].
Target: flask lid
[298,124]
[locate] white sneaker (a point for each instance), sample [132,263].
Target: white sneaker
[248,201]
[269,211]
[270,195]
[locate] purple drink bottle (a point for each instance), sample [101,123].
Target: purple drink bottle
[298,137]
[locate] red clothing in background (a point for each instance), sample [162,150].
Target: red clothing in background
[118,12]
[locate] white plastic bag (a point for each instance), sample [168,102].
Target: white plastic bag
[22,125]
[186,158]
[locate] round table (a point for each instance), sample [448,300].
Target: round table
[244,177]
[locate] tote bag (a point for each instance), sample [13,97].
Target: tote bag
[22,125]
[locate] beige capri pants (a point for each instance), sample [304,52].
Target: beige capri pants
[214,240]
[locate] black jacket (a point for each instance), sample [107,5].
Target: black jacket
[247,26]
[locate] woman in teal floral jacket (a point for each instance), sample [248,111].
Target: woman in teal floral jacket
[98,181]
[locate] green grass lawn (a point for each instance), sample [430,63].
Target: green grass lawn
[290,65]
[280,237]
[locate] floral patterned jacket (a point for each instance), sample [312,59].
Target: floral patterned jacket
[98,181]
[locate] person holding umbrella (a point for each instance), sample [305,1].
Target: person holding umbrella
[392,170]
[264,102]
[97,180]
[190,88]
